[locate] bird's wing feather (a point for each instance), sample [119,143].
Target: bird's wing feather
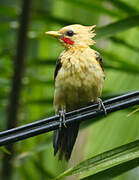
[58,66]
[99,59]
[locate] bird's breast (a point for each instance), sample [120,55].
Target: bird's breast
[79,80]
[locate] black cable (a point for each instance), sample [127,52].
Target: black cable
[55,118]
[52,123]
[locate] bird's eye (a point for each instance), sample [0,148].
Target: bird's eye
[70,33]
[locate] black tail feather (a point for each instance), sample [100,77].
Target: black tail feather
[64,140]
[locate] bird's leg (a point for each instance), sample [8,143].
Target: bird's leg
[101,105]
[62,117]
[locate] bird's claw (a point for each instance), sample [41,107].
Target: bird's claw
[101,105]
[62,118]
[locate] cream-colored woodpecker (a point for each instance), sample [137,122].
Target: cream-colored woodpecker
[79,78]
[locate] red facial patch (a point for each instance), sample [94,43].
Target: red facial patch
[67,40]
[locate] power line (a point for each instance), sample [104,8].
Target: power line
[52,123]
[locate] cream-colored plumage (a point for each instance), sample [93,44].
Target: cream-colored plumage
[79,79]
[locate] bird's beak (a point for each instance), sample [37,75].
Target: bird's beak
[53,33]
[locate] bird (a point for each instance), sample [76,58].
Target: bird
[79,79]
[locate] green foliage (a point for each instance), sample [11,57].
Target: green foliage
[117,41]
[108,164]
[117,27]
[3,149]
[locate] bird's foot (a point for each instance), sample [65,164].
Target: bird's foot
[62,118]
[101,105]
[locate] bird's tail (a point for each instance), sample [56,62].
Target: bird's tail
[64,140]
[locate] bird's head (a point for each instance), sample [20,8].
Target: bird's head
[74,35]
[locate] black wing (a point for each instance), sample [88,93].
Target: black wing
[99,59]
[58,66]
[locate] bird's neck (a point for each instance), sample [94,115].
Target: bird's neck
[74,55]
[76,47]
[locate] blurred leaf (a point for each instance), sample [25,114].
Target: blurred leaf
[4,81]
[42,62]
[123,6]
[131,113]
[124,43]
[8,11]
[116,27]
[40,147]
[41,15]
[95,7]
[3,149]
[44,173]
[110,160]
[40,101]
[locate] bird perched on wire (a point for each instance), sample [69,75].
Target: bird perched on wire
[79,78]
